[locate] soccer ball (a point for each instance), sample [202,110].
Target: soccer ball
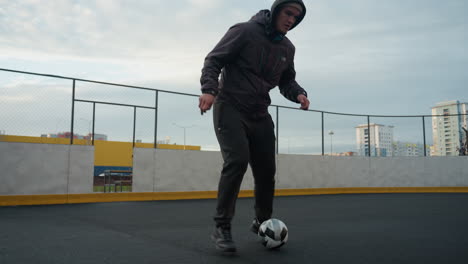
[273,233]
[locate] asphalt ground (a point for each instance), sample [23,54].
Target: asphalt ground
[357,228]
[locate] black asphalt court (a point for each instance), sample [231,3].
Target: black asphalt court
[344,229]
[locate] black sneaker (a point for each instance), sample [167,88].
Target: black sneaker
[223,239]
[255,226]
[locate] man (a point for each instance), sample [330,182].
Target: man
[252,58]
[461,150]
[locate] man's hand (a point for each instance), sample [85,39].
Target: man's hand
[206,101]
[304,101]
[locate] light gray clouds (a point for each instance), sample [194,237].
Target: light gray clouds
[370,47]
[367,51]
[360,56]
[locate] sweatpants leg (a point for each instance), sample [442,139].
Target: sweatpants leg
[262,163]
[232,137]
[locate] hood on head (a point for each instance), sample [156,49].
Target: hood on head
[263,17]
[275,8]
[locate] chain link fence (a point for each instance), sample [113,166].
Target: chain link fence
[43,108]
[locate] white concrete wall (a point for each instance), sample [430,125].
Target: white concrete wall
[163,170]
[175,170]
[81,169]
[27,169]
[300,171]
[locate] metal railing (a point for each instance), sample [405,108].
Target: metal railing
[156,107]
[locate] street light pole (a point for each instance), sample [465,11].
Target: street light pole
[184,137]
[331,133]
[184,128]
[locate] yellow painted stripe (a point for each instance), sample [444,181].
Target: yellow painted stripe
[358,190]
[33,199]
[108,197]
[11,200]
[184,195]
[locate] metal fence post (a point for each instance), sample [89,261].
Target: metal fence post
[323,135]
[424,134]
[277,130]
[156,121]
[134,124]
[368,134]
[94,121]
[72,113]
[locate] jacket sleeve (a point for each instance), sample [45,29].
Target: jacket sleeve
[288,86]
[223,53]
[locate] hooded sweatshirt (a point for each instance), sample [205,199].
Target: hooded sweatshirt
[252,58]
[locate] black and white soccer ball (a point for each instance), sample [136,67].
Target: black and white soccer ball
[273,233]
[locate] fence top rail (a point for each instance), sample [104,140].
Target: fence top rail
[116,104]
[363,115]
[195,95]
[98,82]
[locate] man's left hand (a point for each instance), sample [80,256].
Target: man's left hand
[304,101]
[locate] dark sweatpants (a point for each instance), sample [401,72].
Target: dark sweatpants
[244,141]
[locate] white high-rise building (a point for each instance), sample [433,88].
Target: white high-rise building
[447,132]
[381,139]
[409,149]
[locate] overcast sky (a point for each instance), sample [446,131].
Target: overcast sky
[386,57]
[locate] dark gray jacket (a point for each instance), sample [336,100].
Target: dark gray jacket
[252,59]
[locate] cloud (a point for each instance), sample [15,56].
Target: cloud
[205,4]
[360,56]
[16,99]
[141,39]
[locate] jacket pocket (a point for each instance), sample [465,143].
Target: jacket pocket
[218,110]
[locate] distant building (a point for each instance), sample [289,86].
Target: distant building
[447,130]
[96,137]
[409,149]
[381,139]
[66,135]
[77,136]
[166,140]
[345,154]
[432,150]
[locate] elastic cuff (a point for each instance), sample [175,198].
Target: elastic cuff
[302,92]
[210,91]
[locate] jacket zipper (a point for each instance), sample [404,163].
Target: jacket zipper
[276,64]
